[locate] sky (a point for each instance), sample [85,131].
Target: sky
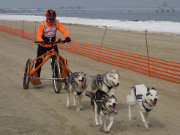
[151,26]
[87,3]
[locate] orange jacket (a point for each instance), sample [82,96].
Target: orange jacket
[40,32]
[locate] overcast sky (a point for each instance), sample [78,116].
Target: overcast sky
[87,3]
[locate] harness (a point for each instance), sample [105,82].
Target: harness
[139,96]
[102,108]
[147,109]
[101,80]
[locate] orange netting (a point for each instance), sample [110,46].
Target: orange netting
[150,66]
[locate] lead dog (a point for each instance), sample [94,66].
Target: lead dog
[103,106]
[76,86]
[106,82]
[146,99]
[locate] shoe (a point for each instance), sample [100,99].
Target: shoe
[35,81]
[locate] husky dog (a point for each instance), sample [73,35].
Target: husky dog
[76,85]
[106,82]
[146,99]
[103,105]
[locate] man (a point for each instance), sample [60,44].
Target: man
[47,33]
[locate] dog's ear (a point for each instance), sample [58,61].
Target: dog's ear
[148,89]
[114,97]
[153,88]
[76,75]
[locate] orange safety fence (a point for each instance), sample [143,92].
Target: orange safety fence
[159,68]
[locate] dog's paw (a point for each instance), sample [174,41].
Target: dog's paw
[68,106]
[147,126]
[130,118]
[97,124]
[78,109]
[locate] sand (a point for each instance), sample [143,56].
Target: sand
[39,111]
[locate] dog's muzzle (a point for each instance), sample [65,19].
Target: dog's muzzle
[113,107]
[116,85]
[81,82]
[154,102]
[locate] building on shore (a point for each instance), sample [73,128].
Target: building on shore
[165,8]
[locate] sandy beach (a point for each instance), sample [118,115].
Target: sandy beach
[39,111]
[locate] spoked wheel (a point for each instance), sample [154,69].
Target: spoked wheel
[26,79]
[56,74]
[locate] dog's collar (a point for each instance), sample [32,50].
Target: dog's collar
[78,93]
[139,96]
[147,109]
[109,87]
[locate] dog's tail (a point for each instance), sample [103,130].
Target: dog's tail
[89,94]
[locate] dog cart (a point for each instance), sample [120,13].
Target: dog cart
[59,68]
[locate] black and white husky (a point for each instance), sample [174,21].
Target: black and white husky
[76,86]
[106,82]
[103,106]
[146,99]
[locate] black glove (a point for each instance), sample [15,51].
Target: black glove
[46,41]
[68,39]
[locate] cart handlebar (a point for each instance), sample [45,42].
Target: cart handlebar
[59,41]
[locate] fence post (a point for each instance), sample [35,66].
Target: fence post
[102,41]
[147,49]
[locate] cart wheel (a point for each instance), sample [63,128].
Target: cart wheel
[27,78]
[56,74]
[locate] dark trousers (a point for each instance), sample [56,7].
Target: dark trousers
[40,51]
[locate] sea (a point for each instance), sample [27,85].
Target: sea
[113,14]
[172,17]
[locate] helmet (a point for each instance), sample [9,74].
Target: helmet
[51,14]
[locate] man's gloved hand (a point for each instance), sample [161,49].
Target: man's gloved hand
[67,39]
[46,41]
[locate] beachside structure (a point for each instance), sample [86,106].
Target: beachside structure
[165,8]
